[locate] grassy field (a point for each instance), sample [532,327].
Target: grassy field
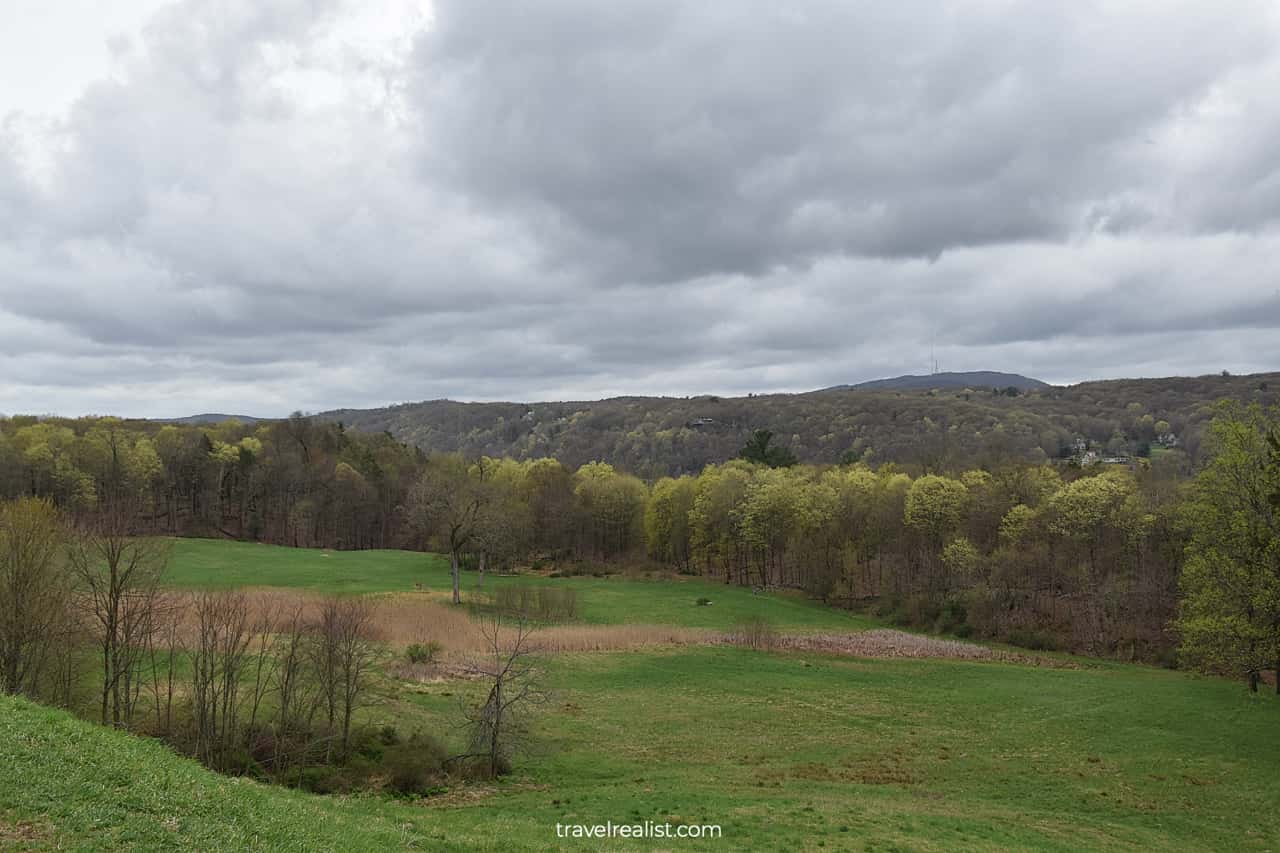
[785,751]
[611,600]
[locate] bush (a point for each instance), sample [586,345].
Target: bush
[1034,640]
[417,768]
[951,618]
[389,735]
[322,780]
[423,652]
[755,632]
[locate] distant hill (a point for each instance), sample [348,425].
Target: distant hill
[210,418]
[656,436]
[976,379]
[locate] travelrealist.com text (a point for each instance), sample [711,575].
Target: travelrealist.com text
[647,829]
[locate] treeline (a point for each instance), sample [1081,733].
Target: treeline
[291,482]
[1048,555]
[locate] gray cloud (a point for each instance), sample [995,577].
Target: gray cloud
[291,204]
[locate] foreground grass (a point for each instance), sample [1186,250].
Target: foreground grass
[784,751]
[69,783]
[612,600]
[791,752]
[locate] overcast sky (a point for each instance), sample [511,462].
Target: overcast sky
[264,205]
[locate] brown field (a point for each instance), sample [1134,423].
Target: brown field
[402,619]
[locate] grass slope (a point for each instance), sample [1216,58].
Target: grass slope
[69,783]
[609,600]
[786,752]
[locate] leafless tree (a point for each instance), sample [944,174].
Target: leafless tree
[223,635]
[343,654]
[264,661]
[295,701]
[510,671]
[163,646]
[118,579]
[294,687]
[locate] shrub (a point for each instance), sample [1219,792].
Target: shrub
[423,652]
[1030,639]
[416,768]
[322,780]
[755,632]
[951,618]
[389,735]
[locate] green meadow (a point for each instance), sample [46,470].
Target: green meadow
[607,600]
[783,750]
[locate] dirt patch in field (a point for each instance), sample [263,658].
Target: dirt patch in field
[20,834]
[888,643]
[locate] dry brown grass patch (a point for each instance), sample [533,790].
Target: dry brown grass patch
[21,834]
[401,619]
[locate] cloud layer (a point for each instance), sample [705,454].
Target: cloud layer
[308,204]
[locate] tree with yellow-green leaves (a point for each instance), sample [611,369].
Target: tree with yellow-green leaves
[667,520]
[37,623]
[1229,618]
[935,507]
[610,509]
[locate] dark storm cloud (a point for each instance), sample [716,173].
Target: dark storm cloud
[265,207]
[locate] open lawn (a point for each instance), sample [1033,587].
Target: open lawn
[610,600]
[785,750]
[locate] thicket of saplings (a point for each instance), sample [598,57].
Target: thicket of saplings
[244,686]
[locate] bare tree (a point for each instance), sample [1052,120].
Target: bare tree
[217,663]
[509,669]
[118,579]
[163,646]
[294,687]
[343,653]
[35,593]
[295,701]
[265,661]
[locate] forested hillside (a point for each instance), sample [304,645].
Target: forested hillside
[935,430]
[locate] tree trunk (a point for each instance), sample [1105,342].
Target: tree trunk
[482,561]
[453,567]
[1253,681]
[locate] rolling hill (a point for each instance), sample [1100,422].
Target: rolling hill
[974,379]
[655,436]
